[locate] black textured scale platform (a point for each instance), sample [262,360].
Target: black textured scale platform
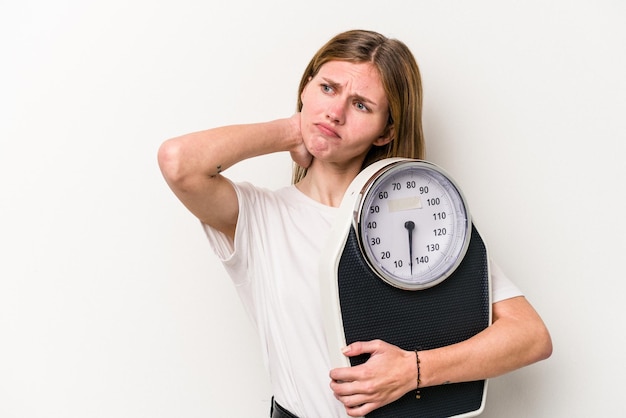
[447,313]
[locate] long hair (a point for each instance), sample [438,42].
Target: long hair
[401,81]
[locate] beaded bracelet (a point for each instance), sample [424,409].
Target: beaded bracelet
[417,389]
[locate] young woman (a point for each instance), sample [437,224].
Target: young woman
[359,101]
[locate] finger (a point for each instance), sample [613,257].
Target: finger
[353,402]
[360,410]
[361,347]
[344,375]
[343,387]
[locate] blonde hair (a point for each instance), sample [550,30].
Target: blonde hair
[401,81]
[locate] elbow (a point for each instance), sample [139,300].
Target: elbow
[544,344]
[525,329]
[169,157]
[539,342]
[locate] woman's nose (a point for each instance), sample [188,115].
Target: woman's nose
[336,112]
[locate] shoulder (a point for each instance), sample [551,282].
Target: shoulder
[252,195]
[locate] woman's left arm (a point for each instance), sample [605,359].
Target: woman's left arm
[517,337]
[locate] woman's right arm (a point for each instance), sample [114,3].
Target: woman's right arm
[192,163]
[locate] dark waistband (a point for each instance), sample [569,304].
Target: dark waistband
[278,411]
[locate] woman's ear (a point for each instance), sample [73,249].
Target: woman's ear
[386,137]
[305,87]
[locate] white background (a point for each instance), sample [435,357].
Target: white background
[111,302]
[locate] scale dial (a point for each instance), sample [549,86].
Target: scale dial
[413,224]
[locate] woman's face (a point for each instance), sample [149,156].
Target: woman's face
[344,112]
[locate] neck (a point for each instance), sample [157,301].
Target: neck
[327,184]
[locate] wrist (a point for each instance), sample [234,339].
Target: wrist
[418,374]
[293,133]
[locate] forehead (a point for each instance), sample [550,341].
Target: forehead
[358,78]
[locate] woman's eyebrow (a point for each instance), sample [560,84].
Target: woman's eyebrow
[331,83]
[337,86]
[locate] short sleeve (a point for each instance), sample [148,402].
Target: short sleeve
[501,286]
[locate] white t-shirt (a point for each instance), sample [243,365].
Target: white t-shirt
[273,263]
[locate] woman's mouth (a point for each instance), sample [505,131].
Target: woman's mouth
[327,130]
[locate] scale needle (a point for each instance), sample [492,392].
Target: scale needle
[410,226]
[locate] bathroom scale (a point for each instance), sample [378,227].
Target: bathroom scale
[405,264]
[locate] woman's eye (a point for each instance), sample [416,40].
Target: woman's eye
[361,106]
[326,88]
